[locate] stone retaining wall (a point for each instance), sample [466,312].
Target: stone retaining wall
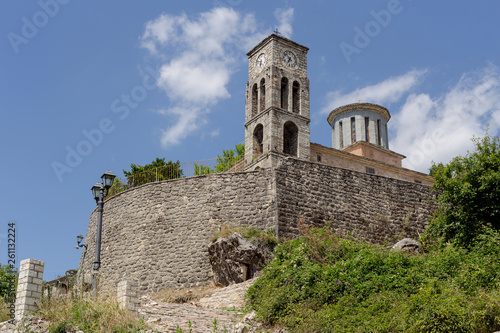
[157,234]
[371,207]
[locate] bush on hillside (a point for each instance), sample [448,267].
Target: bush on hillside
[324,283]
[469,200]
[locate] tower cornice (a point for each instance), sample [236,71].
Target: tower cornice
[269,39]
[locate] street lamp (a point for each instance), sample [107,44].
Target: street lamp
[79,239]
[99,191]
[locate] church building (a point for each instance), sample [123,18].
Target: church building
[277,119]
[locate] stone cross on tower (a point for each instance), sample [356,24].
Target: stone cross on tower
[277,102]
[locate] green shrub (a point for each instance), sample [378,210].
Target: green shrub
[323,283]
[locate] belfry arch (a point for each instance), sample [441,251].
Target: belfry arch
[262,95]
[290,138]
[258,140]
[254,100]
[284,93]
[296,97]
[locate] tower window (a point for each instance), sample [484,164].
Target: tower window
[367,129]
[290,138]
[258,136]
[254,100]
[284,93]
[341,135]
[262,95]
[353,130]
[296,97]
[370,171]
[379,138]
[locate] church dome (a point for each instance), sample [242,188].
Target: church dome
[356,122]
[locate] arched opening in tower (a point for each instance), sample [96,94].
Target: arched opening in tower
[296,97]
[262,95]
[258,138]
[284,93]
[254,100]
[290,138]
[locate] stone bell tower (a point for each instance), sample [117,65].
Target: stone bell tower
[277,103]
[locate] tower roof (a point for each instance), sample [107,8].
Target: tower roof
[272,37]
[359,106]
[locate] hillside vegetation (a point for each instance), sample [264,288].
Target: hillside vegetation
[323,283]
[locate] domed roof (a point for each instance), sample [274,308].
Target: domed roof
[359,106]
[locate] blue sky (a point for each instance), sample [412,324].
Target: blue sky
[87,86]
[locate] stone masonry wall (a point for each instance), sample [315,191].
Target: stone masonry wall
[371,207]
[157,234]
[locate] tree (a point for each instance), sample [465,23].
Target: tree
[224,162]
[469,194]
[229,158]
[7,274]
[155,171]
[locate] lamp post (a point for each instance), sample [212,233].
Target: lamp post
[99,191]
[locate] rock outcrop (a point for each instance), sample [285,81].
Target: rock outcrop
[235,259]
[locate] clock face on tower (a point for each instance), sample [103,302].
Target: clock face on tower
[261,60]
[289,59]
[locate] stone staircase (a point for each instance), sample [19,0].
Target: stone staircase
[223,306]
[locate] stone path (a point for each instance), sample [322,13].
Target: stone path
[222,305]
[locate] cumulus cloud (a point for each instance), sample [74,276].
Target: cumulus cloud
[285,20]
[199,57]
[438,128]
[388,91]
[428,127]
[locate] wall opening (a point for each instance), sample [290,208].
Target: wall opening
[341,135]
[284,93]
[258,138]
[353,130]
[296,97]
[262,95]
[379,138]
[254,100]
[367,129]
[290,138]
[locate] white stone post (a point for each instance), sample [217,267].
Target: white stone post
[29,287]
[127,295]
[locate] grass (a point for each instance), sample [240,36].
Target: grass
[324,283]
[249,233]
[182,295]
[77,311]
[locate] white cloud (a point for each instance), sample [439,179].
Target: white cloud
[388,91]
[200,55]
[429,128]
[438,128]
[285,20]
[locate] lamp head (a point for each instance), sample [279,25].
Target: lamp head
[108,177]
[96,190]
